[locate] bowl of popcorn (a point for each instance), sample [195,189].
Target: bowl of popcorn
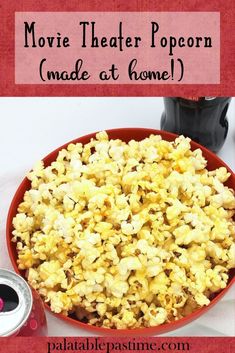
[126,231]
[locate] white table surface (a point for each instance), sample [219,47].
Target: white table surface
[32,127]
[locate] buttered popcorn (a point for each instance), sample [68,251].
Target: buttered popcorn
[127,235]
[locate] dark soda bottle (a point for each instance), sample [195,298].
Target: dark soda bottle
[203,119]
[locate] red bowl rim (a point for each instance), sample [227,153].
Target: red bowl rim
[135,331]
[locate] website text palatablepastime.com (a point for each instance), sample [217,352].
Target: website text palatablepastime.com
[97,345]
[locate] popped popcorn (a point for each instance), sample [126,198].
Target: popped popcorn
[127,235]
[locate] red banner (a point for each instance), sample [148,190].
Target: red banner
[114,345]
[217,84]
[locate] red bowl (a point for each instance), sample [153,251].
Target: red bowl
[125,134]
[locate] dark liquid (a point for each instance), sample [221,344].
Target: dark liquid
[9,297]
[204,121]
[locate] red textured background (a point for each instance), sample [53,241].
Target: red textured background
[8,87]
[196,344]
